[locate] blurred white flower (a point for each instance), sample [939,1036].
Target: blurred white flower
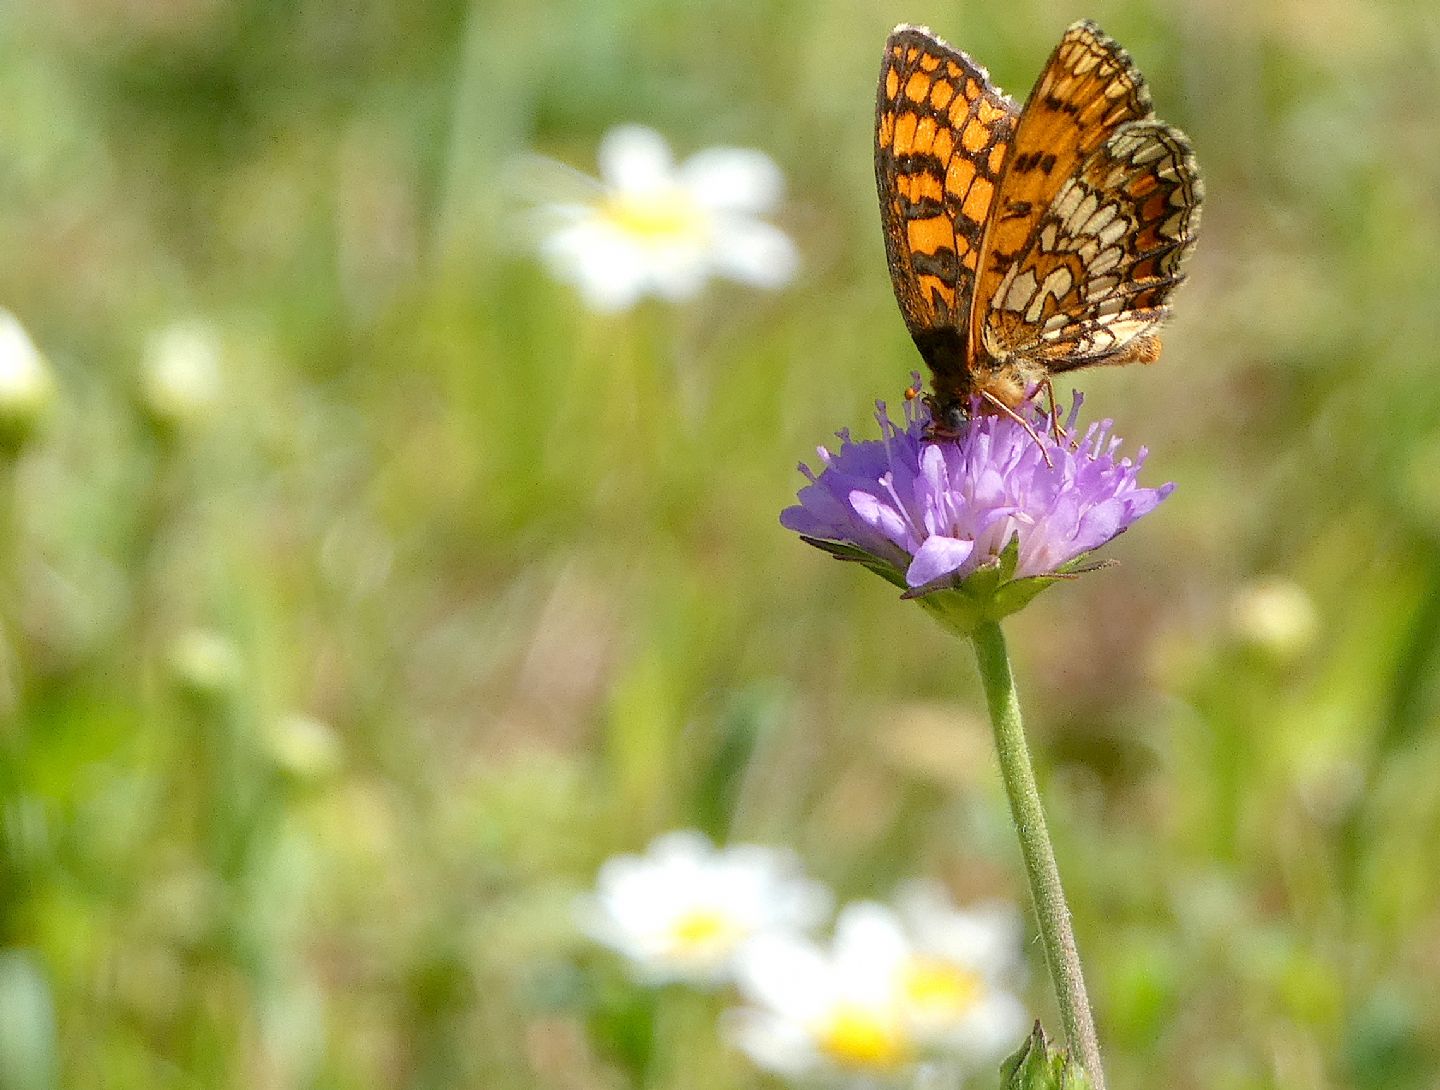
[180,373]
[26,386]
[683,910]
[650,227]
[895,988]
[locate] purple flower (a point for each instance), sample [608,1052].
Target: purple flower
[930,514]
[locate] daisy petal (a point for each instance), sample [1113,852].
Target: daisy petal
[755,253]
[733,179]
[635,159]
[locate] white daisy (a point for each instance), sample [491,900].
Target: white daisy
[649,227]
[893,989]
[836,1011]
[956,981]
[683,910]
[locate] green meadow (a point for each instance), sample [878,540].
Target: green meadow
[329,676]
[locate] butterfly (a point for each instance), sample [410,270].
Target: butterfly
[1026,243]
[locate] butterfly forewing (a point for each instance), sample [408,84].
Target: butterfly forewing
[1087,90]
[941,138]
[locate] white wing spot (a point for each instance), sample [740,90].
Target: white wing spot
[1081,213]
[1174,226]
[1022,290]
[1096,286]
[1104,262]
[1147,151]
[1112,232]
[1058,284]
[1102,216]
[1066,201]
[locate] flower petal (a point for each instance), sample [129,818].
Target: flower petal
[879,516]
[607,268]
[733,179]
[635,159]
[754,253]
[937,556]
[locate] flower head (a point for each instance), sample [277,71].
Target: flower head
[684,909]
[882,998]
[649,227]
[997,512]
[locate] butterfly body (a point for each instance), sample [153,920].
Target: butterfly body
[1023,243]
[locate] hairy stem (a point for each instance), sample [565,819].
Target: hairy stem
[1054,914]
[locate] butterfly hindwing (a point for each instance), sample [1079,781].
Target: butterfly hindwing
[942,133]
[1097,272]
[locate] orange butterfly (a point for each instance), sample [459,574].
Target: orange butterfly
[1026,243]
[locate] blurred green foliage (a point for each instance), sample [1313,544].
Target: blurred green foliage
[319,705]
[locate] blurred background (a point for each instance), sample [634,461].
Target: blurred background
[362,591]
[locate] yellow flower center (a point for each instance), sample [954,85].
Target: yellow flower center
[940,989]
[703,932]
[857,1036]
[671,216]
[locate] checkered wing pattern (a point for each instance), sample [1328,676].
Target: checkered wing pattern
[941,137]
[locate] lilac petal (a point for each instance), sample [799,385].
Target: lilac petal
[879,516]
[938,556]
[804,521]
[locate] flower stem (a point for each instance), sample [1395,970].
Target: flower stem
[1054,914]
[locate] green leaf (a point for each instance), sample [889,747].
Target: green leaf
[1035,1066]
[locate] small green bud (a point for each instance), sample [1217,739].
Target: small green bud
[1274,616]
[180,381]
[1036,1067]
[304,747]
[205,665]
[27,388]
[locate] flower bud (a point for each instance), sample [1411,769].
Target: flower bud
[204,664]
[26,386]
[304,747]
[180,376]
[1275,616]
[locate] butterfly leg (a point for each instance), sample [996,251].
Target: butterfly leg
[1049,388]
[1006,410]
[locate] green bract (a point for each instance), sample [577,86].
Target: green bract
[989,593]
[1035,1066]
